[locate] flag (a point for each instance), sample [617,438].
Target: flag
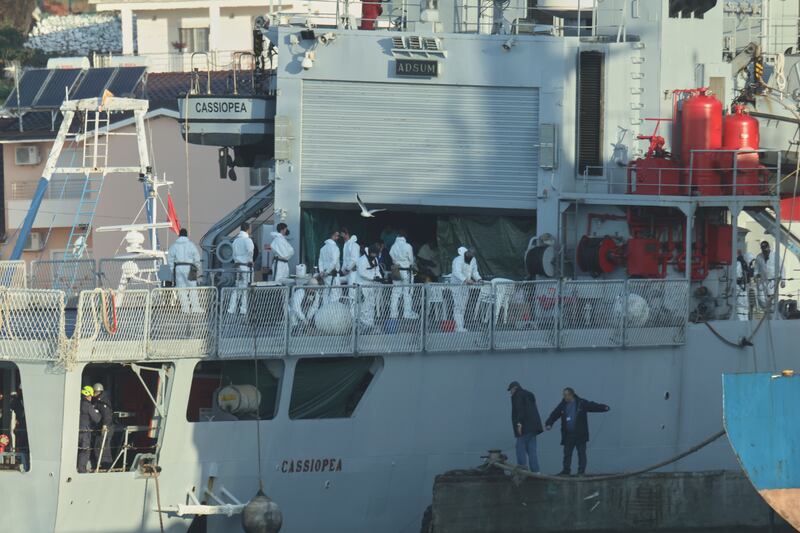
[172,216]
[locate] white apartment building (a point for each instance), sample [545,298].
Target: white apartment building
[176,35]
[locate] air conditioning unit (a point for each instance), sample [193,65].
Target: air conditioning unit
[27,155]
[34,242]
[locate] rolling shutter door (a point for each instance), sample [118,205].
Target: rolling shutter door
[438,145]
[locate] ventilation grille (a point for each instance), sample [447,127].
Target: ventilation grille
[590,113]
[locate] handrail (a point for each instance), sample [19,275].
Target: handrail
[413,318]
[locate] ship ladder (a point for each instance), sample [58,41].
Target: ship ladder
[95,161]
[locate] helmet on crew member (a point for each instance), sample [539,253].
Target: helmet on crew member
[87,391]
[98,387]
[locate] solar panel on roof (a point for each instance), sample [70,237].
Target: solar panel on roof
[29,85]
[54,93]
[126,80]
[93,83]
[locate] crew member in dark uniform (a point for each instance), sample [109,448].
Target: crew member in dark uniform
[89,418]
[102,452]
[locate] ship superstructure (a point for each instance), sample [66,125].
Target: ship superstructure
[602,136]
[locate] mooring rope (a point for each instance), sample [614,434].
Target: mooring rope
[518,470]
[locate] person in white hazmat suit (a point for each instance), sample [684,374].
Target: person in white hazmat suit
[183,257]
[329,267]
[402,254]
[464,273]
[282,252]
[305,303]
[766,277]
[243,249]
[369,274]
[350,254]
[744,274]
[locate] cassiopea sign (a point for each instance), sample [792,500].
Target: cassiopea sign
[420,68]
[215,106]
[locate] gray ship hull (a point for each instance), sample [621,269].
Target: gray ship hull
[423,414]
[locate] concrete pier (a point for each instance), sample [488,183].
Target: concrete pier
[492,501]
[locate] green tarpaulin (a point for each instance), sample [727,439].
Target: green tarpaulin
[499,242]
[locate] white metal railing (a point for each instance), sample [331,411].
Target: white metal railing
[111,326]
[277,321]
[725,176]
[182,322]
[71,276]
[13,274]
[31,324]
[179,61]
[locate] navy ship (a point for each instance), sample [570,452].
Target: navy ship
[599,157]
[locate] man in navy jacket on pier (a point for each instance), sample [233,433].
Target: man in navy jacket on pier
[574,427]
[526,423]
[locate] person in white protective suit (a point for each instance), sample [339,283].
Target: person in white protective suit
[183,257]
[350,254]
[282,252]
[744,275]
[464,272]
[402,254]
[243,249]
[305,303]
[329,267]
[369,273]
[766,277]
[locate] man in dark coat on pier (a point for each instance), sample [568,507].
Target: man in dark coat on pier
[526,423]
[574,427]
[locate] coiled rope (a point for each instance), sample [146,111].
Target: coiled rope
[521,471]
[111,328]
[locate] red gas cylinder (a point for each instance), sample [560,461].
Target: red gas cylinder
[701,129]
[656,176]
[740,132]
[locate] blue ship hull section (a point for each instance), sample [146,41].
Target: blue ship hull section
[760,417]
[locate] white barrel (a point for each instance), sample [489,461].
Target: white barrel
[239,399]
[300,270]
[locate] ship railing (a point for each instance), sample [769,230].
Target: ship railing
[252,322]
[751,180]
[129,273]
[13,274]
[276,321]
[71,276]
[31,324]
[183,322]
[111,325]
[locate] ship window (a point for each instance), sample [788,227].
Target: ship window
[14,451]
[590,114]
[224,391]
[193,40]
[331,387]
[126,432]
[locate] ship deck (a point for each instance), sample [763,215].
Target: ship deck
[101,324]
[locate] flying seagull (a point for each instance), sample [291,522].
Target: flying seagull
[367,213]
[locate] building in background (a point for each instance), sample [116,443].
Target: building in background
[168,33]
[201,201]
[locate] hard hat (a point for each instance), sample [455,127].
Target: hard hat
[98,387]
[87,391]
